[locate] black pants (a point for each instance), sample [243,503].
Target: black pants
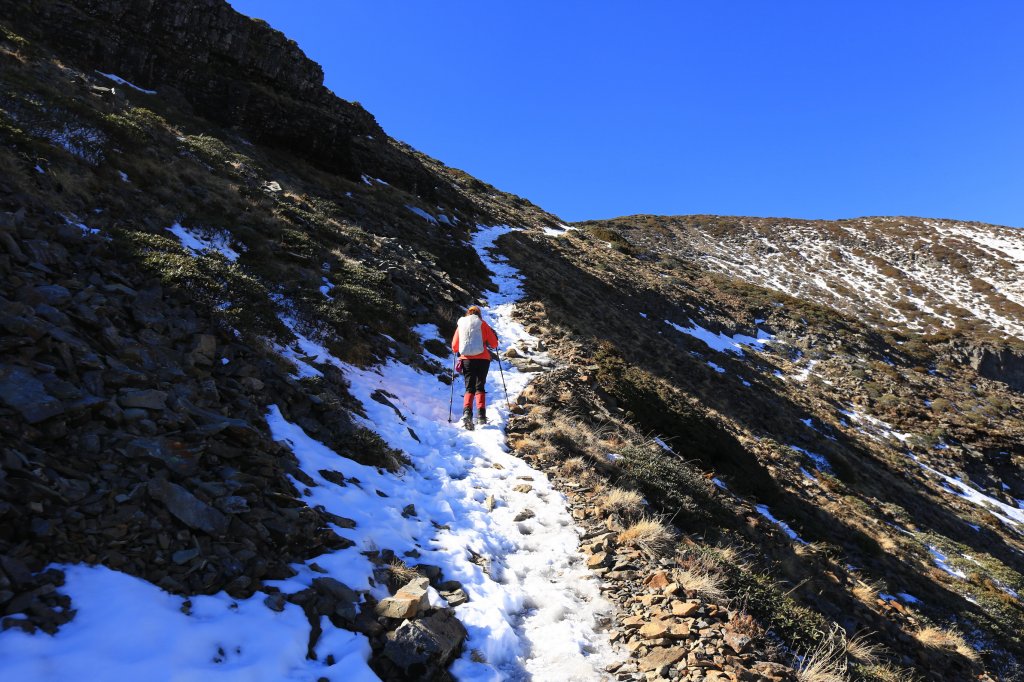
[475,372]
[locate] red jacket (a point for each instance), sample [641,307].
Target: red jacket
[490,340]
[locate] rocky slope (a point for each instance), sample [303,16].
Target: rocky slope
[884,465]
[929,277]
[788,443]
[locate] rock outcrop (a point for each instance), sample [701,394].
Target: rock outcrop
[235,71]
[997,363]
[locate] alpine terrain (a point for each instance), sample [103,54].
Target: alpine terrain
[716,448]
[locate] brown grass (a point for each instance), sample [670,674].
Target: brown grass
[704,577]
[866,593]
[863,651]
[886,672]
[628,504]
[574,466]
[649,535]
[401,572]
[826,662]
[703,583]
[941,638]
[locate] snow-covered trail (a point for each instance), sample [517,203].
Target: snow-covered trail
[533,605]
[486,518]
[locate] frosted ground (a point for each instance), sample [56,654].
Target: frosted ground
[845,273]
[533,609]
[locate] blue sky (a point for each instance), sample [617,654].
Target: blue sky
[596,109]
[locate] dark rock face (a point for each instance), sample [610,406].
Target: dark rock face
[422,648]
[233,70]
[999,364]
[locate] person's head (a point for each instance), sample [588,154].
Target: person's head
[473,310]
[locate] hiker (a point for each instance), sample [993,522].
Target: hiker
[473,342]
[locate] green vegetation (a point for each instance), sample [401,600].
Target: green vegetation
[239,299]
[13,39]
[135,125]
[613,237]
[669,483]
[799,626]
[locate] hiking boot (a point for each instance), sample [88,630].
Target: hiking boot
[481,416]
[467,419]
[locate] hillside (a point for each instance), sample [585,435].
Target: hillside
[892,457]
[733,448]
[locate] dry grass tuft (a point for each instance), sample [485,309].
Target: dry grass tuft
[730,555]
[886,672]
[863,651]
[888,544]
[866,593]
[649,535]
[628,504]
[574,466]
[704,576]
[950,640]
[703,582]
[533,446]
[826,662]
[572,437]
[401,572]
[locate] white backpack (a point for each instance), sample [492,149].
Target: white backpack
[471,335]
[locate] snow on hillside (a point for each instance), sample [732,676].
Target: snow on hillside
[721,342]
[199,241]
[922,274]
[486,518]
[128,629]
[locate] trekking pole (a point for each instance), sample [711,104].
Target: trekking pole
[500,371]
[451,399]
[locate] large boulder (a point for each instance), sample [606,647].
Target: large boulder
[423,648]
[408,602]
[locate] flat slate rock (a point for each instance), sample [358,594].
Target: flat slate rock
[189,509]
[22,391]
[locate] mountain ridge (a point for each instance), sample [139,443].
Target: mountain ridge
[174,266]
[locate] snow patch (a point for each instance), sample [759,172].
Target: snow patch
[128,629]
[199,241]
[721,342]
[821,463]
[121,81]
[663,445]
[86,230]
[421,213]
[942,561]
[764,511]
[1010,515]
